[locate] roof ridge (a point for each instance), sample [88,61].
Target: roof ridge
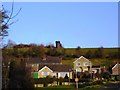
[82,57]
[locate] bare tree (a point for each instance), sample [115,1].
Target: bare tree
[6,19]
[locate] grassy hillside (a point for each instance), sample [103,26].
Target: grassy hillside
[84,50]
[68,54]
[95,62]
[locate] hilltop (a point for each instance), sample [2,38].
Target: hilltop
[99,56]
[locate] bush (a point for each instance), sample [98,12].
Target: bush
[106,75]
[84,84]
[85,80]
[97,82]
[81,85]
[45,81]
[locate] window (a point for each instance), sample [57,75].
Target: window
[78,64]
[86,69]
[54,74]
[85,64]
[45,73]
[62,74]
[78,70]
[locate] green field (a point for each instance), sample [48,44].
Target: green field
[96,62]
[68,54]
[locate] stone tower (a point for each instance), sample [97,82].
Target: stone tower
[58,44]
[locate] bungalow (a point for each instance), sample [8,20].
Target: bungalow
[34,63]
[48,66]
[54,70]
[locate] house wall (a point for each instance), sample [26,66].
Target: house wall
[116,70]
[71,75]
[82,65]
[56,74]
[45,72]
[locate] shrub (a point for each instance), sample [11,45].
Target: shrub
[84,84]
[85,80]
[97,82]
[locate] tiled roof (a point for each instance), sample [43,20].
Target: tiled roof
[81,57]
[57,68]
[46,60]
[116,65]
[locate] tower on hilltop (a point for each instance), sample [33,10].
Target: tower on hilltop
[58,44]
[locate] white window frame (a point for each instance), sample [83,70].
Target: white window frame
[62,74]
[45,73]
[54,74]
[85,69]
[78,70]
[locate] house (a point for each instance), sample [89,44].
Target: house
[53,70]
[82,64]
[34,62]
[116,71]
[48,66]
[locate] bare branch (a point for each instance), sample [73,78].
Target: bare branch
[16,13]
[13,22]
[6,19]
[10,14]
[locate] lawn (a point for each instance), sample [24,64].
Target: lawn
[101,62]
[68,62]
[105,86]
[61,87]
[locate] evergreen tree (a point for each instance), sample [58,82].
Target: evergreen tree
[19,76]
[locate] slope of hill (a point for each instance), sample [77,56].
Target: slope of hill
[98,56]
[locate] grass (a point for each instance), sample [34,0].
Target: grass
[68,62]
[61,87]
[97,62]
[93,87]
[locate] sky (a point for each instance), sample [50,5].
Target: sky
[84,24]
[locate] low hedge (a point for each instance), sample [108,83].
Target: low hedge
[81,85]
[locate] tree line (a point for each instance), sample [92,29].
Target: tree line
[34,50]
